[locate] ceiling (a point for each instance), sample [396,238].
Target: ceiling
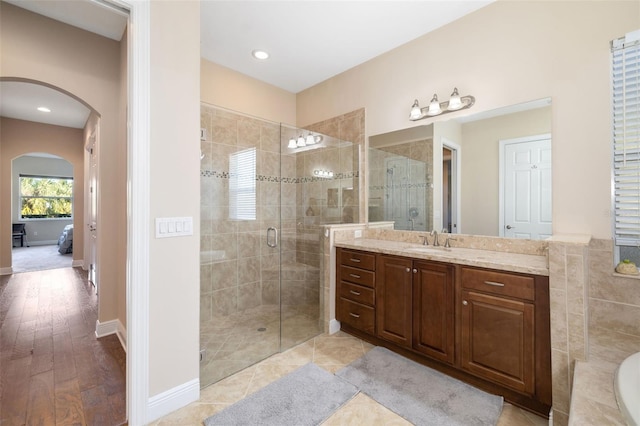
[309,41]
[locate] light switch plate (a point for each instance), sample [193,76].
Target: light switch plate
[167,227]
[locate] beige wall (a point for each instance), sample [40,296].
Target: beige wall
[229,89]
[503,54]
[87,66]
[18,137]
[174,285]
[480,164]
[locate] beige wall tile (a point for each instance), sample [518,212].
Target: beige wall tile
[561,380]
[614,316]
[559,330]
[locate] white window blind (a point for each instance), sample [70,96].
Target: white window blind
[242,185]
[626,138]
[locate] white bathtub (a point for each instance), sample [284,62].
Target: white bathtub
[627,388]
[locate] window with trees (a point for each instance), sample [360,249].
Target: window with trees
[45,197]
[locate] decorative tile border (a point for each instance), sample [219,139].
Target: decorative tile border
[264,178]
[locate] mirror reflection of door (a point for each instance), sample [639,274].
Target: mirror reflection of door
[92,227]
[450,186]
[525,192]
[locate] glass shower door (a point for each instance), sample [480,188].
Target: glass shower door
[240,247]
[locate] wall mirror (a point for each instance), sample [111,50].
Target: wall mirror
[488,173]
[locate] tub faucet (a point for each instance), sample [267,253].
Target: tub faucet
[434,234]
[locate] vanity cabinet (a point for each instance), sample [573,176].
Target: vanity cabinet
[490,328]
[433,313]
[394,299]
[497,324]
[415,305]
[356,281]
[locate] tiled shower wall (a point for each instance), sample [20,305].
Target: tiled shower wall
[238,270]
[349,127]
[417,190]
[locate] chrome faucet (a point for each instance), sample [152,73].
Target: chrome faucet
[446,243]
[425,240]
[434,234]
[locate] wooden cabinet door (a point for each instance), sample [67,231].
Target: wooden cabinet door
[393,299]
[433,318]
[498,340]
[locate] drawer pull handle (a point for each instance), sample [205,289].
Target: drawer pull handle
[354,315]
[493,283]
[355,260]
[357,293]
[354,275]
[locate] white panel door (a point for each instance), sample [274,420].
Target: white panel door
[526,188]
[92,148]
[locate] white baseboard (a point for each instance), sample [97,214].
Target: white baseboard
[43,243]
[162,404]
[334,326]
[108,328]
[6,271]
[76,263]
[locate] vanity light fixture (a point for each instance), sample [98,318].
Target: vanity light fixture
[327,174]
[455,103]
[302,141]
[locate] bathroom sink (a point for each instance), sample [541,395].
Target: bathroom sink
[429,249]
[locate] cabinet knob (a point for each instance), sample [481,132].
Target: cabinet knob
[415,271]
[408,269]
[465,303]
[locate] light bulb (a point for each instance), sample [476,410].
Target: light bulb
[434,106]
[301,141]
[310,139]
[292,144]
[416,113]
[455,102]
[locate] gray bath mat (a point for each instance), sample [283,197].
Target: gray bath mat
[308,396]
[420,394]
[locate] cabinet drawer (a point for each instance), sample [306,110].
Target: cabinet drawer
[358,259]
[356,315]
[357,276]
[357,293]
[501,283]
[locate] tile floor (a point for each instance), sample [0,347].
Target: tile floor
[236,341]
[329,352]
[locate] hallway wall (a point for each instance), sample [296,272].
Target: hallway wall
[87,66]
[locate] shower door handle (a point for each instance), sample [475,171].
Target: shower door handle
[272,237]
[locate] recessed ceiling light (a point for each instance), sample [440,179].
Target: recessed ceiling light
[44,109]
[260,54]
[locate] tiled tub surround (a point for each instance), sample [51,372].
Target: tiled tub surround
[613,307]
[244,288]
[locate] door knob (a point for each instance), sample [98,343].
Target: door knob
[510,227]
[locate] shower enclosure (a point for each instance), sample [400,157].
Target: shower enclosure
[266,190]
[401,185]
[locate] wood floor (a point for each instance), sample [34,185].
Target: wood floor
[53,370]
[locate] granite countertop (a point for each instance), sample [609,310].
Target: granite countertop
[512,262]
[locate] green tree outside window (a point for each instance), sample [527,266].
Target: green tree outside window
[45,197]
